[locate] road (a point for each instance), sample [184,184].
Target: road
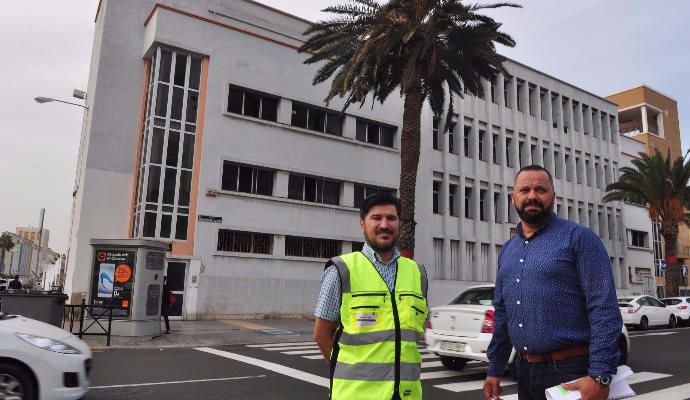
[282,370]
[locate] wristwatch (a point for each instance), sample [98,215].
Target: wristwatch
[603,380]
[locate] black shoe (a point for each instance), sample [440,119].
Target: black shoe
[167,331]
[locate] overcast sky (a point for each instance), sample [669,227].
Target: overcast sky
[602,46]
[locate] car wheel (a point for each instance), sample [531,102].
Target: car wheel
[16,383]
[623,348]
[453,363]
[644,324]
[672,323]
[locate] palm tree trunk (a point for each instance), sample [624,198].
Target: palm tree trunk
[673,272]
[409,163]
[2,261]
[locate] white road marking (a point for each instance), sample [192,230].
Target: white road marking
[292,348]
[429,356]
[644,377]
[176,382]
[316,357]
[653,334]
[282,344]
[431,364]
[277,368]
[449,374]
[680,392]
[472,385]
[317,351]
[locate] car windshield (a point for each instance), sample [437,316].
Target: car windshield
[624,301]
[478,296]
[671,302]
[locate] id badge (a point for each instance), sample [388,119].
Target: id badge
[365,319]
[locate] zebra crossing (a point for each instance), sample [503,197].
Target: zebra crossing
[472,376]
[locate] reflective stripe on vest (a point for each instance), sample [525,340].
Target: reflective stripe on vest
[375,354]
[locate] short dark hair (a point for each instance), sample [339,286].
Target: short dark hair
[378,199]
[16,277]
[534,167]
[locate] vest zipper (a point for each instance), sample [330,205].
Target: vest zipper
[411,295]
[354,308]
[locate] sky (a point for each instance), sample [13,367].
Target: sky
[602,46]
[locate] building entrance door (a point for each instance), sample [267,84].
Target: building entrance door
[177,271]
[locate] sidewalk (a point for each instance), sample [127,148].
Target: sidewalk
[214,333]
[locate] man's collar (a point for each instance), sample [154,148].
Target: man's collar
[542,228]
[374,256]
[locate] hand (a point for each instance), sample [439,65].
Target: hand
[589,388]
[492,388]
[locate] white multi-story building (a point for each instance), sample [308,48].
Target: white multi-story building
[204,130]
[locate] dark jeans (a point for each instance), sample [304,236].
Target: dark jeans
[535,378]
[164,314]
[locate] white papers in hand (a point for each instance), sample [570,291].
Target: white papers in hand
[619,388]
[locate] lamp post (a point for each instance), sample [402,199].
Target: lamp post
[78,94]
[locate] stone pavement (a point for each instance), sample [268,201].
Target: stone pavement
[214,333]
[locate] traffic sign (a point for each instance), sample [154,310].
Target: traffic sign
[685,270]
[663,265]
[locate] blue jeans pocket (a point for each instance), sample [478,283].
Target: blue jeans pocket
[573,367]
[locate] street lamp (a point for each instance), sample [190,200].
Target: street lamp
[41,100]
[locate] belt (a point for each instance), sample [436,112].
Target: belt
[556,355]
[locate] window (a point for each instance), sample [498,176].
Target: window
[497,211]
[252,103]
[435,134]
[439,264]
[466,139]
[520,86]
[481,144]
[374,133]
[164,170]
[482,204]
[315,190]
[494,145]
[637,238]
[468,202]
[509,143]
[476,296]
[240,178]
[298,246]
[437,191]
[452,193]
[364,191]
[451,139]
[245,242]
[316,119]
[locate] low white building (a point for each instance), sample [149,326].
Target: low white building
[204,131]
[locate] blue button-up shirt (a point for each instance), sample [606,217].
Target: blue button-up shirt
[328,303]
[554,291]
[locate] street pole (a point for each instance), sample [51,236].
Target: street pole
[40,237]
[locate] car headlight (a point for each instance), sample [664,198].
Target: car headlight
[48,344]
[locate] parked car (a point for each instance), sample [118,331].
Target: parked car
[642,312]
[461,331]
[680,307]
[41,361]
[3,284]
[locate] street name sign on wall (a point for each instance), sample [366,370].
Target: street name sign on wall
[210,218]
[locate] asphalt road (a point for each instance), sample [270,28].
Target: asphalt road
[660,359]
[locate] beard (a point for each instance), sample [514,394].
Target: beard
[378,246]
[535,217]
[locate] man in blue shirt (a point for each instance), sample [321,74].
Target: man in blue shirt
[555,300]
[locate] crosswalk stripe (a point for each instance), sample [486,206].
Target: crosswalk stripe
[425,356]
[316,357]
[431,364]
[644,377]
[282,344]
[471,385]
[449,374]
[317,351]
[292,348]
[680,392]
[277,368]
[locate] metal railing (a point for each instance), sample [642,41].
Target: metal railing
[98,317]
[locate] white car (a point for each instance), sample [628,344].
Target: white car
[680,307]
[645,311]
[461,331]
[41,361]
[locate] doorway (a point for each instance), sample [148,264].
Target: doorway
[177,271]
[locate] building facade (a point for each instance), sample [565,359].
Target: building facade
[651,118]
[204,131]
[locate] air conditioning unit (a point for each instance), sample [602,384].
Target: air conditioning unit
[637,274]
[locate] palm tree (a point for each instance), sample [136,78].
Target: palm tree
[660,184]
[6,244]
[428,49]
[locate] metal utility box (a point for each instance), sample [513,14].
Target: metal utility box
[48,307]
[128,273]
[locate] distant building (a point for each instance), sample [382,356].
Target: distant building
[32,235]
[651,118]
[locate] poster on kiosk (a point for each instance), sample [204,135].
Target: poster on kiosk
[113,279]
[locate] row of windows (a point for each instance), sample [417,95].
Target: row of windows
[256,180]
[265,106]
[567,163]
[575,115]
[262,243]
[504,211]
